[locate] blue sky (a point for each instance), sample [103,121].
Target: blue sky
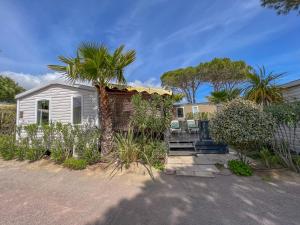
[166,35]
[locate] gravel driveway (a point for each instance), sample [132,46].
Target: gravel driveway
[43,193]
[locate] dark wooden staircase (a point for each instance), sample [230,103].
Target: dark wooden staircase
[186,143]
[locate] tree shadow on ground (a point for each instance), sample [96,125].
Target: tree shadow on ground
[222,200]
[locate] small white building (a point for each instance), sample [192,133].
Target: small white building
[291,93]
[291,90]
[58,102]
[77,104]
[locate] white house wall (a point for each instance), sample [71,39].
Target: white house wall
[293,94]
[60,104]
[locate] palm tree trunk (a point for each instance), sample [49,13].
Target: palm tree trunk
[106,141]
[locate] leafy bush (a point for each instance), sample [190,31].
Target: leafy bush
[91,155]
[242,124]
[152,116]
[20,152]
[7,119]
[35,153]
[7,147]
[268,158]
[128,150]
[87,143]
[287,118]
[155,151]
[240,168]
[75,164]
[58,152]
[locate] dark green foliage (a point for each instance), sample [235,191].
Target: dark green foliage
[131,149]
[270,160]
[9,89]
[296,160]
[35,153]
[155,151]
[262,88]
[240,168]
[287,119]
[7,147]
[282,6]
[143,143]
[87,143]
[224,73]
[152,116]
[7,119]
[184,81]
[242,124]
[91,155]
[20,152]
[58,152]
[75,164]
[222,96]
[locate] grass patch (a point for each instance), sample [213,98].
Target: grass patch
[240,168]
[75,164]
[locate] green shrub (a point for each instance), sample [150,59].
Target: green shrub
[240,168]
[268,158]
[151,117]
[58,151]
[296,160]
[128,150]
[159,165]
[287,118]
[7,119]
[243,125]
[35,153]
[75,164]
[7,147]
[154,151]
[20,152]
[87,140]
[91,155]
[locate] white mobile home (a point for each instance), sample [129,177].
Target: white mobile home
[291,92]
[77,104]
[57,102]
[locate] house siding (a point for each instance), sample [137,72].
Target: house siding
[293,94]
[60,104]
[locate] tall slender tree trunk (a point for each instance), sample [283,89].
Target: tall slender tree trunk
[106,141]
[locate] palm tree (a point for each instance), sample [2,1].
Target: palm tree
[262,88]
[218,97]
[94,63]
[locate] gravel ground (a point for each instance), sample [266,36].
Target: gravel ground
[44,193]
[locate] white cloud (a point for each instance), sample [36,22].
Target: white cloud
[152,82]
[29,81]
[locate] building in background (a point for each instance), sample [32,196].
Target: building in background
[188,110]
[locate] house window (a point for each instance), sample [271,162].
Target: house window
[77,110]
[195,109]
[179,112]
[42,112]
[21,114]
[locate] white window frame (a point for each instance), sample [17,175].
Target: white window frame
[18,111]
[36,107]
[72,97]
[195,106]
[182,111]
